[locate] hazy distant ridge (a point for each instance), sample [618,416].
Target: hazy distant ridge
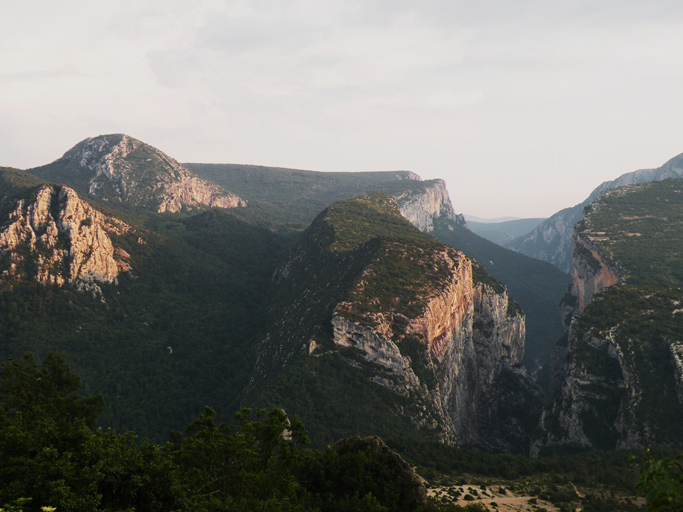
[552,240]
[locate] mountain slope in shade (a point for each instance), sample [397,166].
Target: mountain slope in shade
[294,197]
[536,285]
[502,232]
[121,171]
[552,240]
[619,373]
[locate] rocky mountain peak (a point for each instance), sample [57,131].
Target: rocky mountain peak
[55,237]
[428,201]
[120,169]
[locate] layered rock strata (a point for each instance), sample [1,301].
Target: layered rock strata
[423,205]
[56,238]
[469,335]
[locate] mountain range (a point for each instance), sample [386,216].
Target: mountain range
[552,240]
[359,301]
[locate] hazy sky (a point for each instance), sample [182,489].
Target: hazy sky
[523,107]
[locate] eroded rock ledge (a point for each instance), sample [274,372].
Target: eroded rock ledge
[56,238]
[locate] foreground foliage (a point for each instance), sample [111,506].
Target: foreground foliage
[51,456]
[661,483]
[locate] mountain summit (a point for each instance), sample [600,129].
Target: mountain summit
[120,169]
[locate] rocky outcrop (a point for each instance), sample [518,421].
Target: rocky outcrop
[619,380]
[55,237]
[470,339]
[399,310]
[590,273]
[120,169]
[469,335]
[427,202]
[677,359]
[552,239]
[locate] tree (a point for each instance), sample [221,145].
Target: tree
[48,451]
[50,454]
[661,483]
[242,467]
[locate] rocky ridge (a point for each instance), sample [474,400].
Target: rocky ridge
[118,169]
[423,206]
[552,240]
[619,375]
[442,340]
[55,237]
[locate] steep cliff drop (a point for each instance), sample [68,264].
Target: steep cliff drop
[618,376]
[398,332]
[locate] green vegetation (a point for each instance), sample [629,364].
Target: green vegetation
[52,458]
[537,286]
[641,226]
[359,260]
[636,229]
[178,330]
[661,482]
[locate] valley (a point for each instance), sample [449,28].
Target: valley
[362,304]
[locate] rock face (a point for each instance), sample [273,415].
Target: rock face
[552,240]
[55,237]
[619,377]
[427,203]
[590,273]
[120,169]
[411,317]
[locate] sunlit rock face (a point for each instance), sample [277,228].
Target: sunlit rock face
[423,205]
[55,238]
[417,322]
[119,169]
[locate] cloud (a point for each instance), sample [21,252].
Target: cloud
[474,92]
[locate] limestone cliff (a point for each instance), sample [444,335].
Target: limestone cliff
[408,314]
[119,169]
[619,377]
[425,202]
[590,272]
[55,237]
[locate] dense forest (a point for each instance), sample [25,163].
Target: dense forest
[53,456]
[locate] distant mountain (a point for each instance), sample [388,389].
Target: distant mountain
[120,171]
[503,232]
[552,240]
[618,376]
[293,197]
[483,220]
[536,285]
[287,197]
[377,327]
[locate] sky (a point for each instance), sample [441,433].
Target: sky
[523,107]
